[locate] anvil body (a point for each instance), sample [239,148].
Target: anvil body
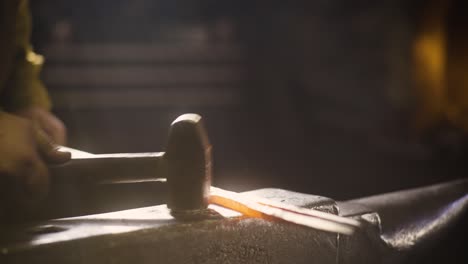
[396,225]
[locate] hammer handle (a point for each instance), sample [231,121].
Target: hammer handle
[109,169]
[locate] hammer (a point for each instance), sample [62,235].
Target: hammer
[186,165]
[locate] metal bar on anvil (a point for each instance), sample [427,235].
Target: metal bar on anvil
[266,209]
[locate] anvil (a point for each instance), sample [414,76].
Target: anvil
[398,226]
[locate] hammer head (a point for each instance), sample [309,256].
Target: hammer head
[188,164]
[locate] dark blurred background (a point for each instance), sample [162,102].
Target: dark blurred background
[315,96]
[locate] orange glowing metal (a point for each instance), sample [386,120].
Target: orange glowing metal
[266,209]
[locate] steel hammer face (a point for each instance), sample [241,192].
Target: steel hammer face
[188,165]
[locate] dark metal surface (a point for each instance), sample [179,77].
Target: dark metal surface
[414,222]
[396,227]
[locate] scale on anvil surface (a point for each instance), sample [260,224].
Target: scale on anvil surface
[385,228]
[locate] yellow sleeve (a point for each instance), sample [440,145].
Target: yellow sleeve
[24,88]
